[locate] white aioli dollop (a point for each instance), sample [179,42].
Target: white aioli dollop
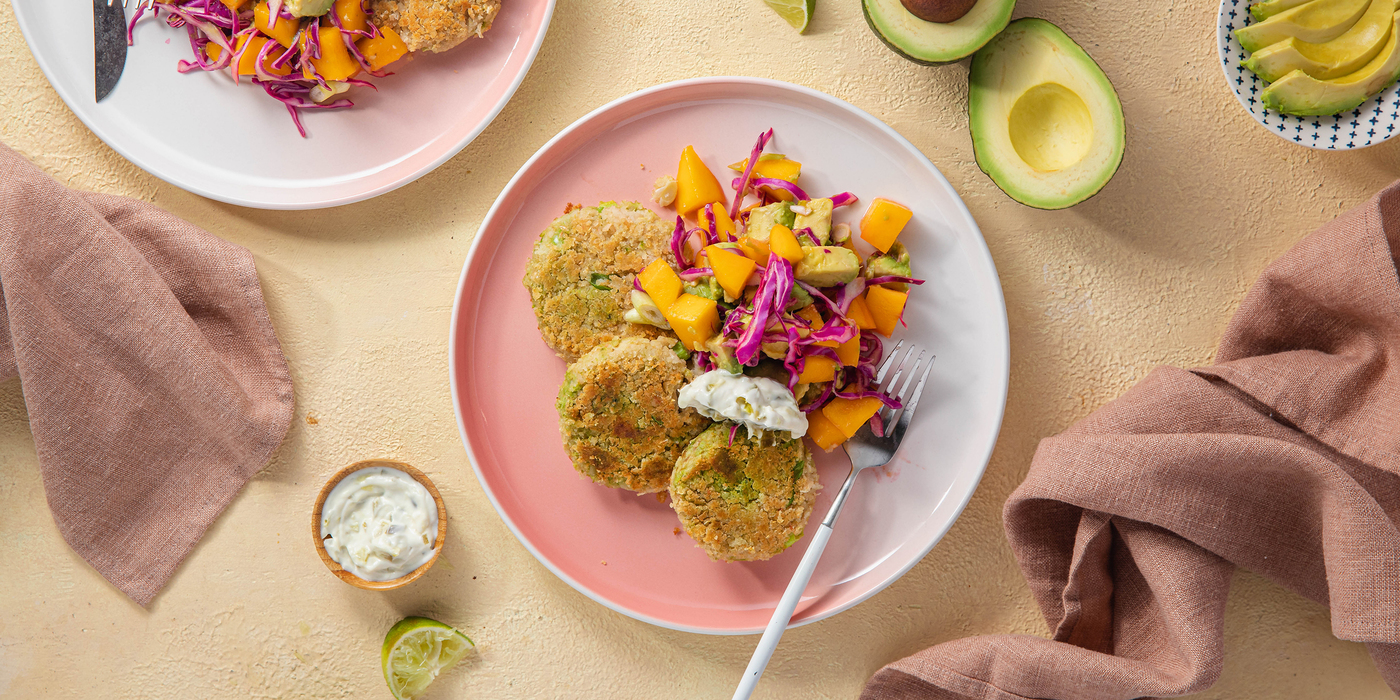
[758,403]
[379,524]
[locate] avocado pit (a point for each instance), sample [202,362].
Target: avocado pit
[941,11]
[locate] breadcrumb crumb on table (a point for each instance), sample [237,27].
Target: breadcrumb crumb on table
[436,25]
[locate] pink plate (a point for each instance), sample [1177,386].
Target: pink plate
[235,144]
[619,548]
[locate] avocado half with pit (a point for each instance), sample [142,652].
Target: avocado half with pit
[1047,126]
[934,43]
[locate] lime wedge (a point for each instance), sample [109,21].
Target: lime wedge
[416,650]
[795,12]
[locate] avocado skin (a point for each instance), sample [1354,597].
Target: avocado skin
[865,12]
[1123,137]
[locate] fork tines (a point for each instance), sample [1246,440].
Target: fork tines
[896,421]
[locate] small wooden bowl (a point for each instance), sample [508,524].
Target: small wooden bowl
[352,579]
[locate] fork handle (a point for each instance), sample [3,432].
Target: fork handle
[788,603]
[783,614]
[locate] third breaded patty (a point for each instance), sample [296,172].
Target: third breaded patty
[618,414]
[743,501]
[581,271]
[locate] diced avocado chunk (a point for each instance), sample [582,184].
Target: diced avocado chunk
[894,262]
[827,266]
[308,8]
[800,299]
[763,219]
[707,287]
[722,356]
[819,220]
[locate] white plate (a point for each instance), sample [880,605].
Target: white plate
[1376,120]
[622,550]
[235,144]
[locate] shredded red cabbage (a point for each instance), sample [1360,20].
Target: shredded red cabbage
[773,182]
[695,273]
[892,278]
[757,151]
[842,200]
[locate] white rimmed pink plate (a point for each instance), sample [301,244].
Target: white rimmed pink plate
[622,549]
[233,143]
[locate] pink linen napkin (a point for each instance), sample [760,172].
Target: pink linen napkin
[153,379]
[1283,458]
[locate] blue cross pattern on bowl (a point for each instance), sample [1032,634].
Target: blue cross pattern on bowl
[1376,120]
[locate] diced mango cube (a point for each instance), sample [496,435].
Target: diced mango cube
[235,4]
[731,269]
[248,61]
[724,226]
[383,49]
[817,369]
[778,168]
[696,186]
[849,351]
[784,244]
[885,307]
[335,62]
[694,319]
[351,15]
[284,30]
[882,223]
[823,432]
[849,414]
[756,249]
[661,283]
[859,313]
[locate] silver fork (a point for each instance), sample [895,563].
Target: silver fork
[123,3]
[866,450]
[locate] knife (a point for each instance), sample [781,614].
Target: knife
[109,43]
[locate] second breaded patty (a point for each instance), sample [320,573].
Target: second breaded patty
[618,414]
[745,500]
[581,271]
[436,25]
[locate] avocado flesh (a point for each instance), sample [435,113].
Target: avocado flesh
[934,43]
[763,219]
[1046,124]
[308,8]
[1313,22]
[1301,94]
[819,220]
[1332,59]
[826,266]
[1264,10]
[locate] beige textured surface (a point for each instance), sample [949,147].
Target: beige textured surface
[1145,273]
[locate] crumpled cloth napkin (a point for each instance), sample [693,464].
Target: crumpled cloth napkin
[153,379]
[1282,458]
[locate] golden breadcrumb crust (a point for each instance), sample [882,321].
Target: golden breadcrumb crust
[436,25]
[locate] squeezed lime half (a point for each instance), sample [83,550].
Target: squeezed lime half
[416,650]
[795,12]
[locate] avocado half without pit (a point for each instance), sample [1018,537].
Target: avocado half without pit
[1047,126]
[942,31]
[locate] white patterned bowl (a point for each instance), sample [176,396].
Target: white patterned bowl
[1376,120]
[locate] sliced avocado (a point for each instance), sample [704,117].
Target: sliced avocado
[1332,59]
[1315,22]
[800,299]
[1264,10]
[308,8]
[1046,124]
[763,219]
[819,220]
[932,43]
[722,356]
[707,287]
[826,266]
[1301,94]
[894,262]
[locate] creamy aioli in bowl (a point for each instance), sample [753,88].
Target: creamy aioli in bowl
[758,403]
[379,524]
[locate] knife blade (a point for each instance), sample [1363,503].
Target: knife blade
[109,44]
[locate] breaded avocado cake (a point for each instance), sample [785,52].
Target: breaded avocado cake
[744,501]
[618,414]
[580,274]
[436,25]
